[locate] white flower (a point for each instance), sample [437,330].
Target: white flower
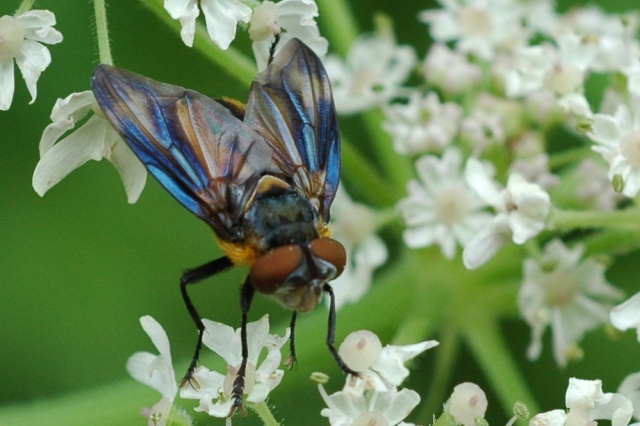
[155,371]
[480,27]
[467,403]
[522,209]
[586,402]
[354,225]
[627,315]
[289,18]
[381,369]
[375,69]
[613,34]
[449,70]
[491,121]
[94,140]
[560,69]
[630,387]
[566,292]
[441,207]
[380,408]
[617,139]
[221,16]
[20,40]
[423,124]
[215,390]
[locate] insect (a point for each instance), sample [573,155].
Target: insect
[262,176]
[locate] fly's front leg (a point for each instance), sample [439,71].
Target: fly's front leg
[193,276]
[291,360]
[246,296]
[331,333]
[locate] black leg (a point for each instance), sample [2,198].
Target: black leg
[246,296]
[193,276]
[291,361]
[331,332]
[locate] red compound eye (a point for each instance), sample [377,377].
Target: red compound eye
[330,251]
[270,271]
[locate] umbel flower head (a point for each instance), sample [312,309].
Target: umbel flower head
[215,389]
[21,39]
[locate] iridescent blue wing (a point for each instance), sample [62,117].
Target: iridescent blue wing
[208,159]
[291,106]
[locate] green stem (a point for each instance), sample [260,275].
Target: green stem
[338,20]
[264,412]
[234,62]
[446,354]
[102,32]
[363,179]
[481,333]
[570,156]
[397,169]
[613,243]
[342,30]
[25,6]
[628,219]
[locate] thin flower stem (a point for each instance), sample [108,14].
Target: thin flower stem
[264,412]
[446,355]
[234,62]
[566,220]
[25,6]
[104,49]
[481,332]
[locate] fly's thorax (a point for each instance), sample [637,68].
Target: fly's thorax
[278,215]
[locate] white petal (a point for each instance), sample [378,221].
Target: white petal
[155,371]
[549,418]
[222,18]
[405,401]
[583,393]
[132,171]
[38,26]
[223,340]
[66,112]
[32,60]
[186,11]
[618,408]
[85,144]
[7,84]
[486,243]
[627,314]
[478,176]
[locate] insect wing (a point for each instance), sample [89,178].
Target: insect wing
[290,104]
[196,148]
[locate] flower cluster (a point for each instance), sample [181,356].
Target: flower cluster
[499,77]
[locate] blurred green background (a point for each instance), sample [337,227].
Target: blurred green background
[80,266]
